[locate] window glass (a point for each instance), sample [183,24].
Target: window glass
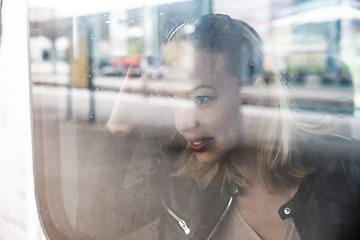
[168,119]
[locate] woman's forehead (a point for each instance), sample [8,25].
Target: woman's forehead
[208,59]
[201,65]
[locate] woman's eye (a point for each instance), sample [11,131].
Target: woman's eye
[202,99]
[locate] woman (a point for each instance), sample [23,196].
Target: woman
[249,171]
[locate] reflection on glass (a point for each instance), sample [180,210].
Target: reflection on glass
[159,122]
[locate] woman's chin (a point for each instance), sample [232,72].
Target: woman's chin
[206,158]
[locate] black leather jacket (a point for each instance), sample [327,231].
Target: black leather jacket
[326,205]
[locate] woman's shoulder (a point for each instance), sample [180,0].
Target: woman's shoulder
[334,156]
[330,147]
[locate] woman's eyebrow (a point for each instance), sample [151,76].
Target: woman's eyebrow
[202,86]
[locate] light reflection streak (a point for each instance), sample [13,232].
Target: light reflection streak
[163,106]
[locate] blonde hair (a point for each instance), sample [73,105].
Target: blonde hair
[278,161]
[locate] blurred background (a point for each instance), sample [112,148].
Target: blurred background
[90,46]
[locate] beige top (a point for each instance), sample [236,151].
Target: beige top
[234,227]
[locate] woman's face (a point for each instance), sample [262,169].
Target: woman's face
[212,125]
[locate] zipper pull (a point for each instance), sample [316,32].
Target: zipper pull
[183,225]
[181,222]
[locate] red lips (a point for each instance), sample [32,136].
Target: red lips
[206,142]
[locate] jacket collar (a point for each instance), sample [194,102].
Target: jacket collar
[301,197]
[305,190]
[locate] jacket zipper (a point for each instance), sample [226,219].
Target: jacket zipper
[221,218]
[181,222]
[186,229]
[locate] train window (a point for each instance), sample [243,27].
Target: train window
[18,215]
[196,119]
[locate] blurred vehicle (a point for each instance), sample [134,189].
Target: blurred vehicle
[118,65]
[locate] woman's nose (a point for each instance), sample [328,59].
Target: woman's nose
[186,120]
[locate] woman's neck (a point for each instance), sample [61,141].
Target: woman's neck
[244,161]
[246,164]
